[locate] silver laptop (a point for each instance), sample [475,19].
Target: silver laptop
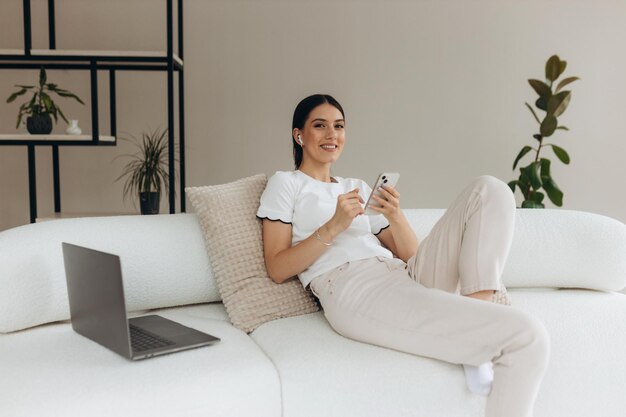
[98,310]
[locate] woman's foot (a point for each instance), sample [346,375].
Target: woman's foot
[479,378]
[501,296]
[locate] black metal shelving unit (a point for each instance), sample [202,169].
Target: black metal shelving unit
[96,62]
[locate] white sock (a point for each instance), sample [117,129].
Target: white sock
[479,378]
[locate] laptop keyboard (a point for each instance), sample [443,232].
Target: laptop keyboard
[141,339]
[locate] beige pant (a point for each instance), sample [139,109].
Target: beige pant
[416,307]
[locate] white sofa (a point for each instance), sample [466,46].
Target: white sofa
[565,268]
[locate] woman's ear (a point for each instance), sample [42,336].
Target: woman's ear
[297,136]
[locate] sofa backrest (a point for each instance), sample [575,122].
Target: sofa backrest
[555,248]
[164,261]
[163,258]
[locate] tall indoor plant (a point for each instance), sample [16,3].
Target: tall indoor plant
[147,172]
[553,102]
[41,106]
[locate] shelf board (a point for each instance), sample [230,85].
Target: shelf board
[11,52]
[103,54]
[73,54]
[77,140]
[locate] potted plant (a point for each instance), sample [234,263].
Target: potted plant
[41,106]
[537,174]
[147,172]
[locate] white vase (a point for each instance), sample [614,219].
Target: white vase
[73,128]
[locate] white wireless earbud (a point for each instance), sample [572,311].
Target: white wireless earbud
[300,140]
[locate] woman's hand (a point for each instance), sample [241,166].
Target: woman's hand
[400,237]
[390,203]
[349,206]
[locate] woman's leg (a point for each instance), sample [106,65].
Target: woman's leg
[375,301]
[473,239]
[466,252]
[467,248]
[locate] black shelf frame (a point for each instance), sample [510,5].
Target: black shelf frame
[112,64]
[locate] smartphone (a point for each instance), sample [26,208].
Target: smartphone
[386,178]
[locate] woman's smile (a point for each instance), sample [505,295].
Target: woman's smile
[329,147]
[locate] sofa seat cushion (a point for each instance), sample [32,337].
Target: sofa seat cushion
[324,374]
[587,371]
[52,368]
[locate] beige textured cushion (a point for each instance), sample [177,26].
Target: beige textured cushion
[234,241]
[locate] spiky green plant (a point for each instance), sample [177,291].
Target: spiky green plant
[537,174]
[41,102]
[147,171]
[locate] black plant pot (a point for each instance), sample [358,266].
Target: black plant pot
[39,125]
[149,202]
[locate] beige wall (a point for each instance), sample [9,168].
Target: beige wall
[433,89]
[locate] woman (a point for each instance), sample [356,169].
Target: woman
[378,285]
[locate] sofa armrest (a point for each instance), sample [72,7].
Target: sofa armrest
[567,249]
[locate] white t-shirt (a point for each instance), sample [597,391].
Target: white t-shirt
[295,198]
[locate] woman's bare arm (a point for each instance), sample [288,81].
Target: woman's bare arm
[282,260]
[400,239]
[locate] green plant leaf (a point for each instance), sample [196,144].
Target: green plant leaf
[562,128]
[558,103]
[531,204]
[31,104]
[523,180]
[548,126]
[58,109]
[523,183]
[545,167]
[564,82]
[554,193]
[69,95]
[512,185]
[541,103]
[523,152]
[554,68]
[28,87]
[48,104]
[533,112]
[531,176]
[42,77]
[536,196]
[15,95]
[540,88]
[560,153]
[53,112]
